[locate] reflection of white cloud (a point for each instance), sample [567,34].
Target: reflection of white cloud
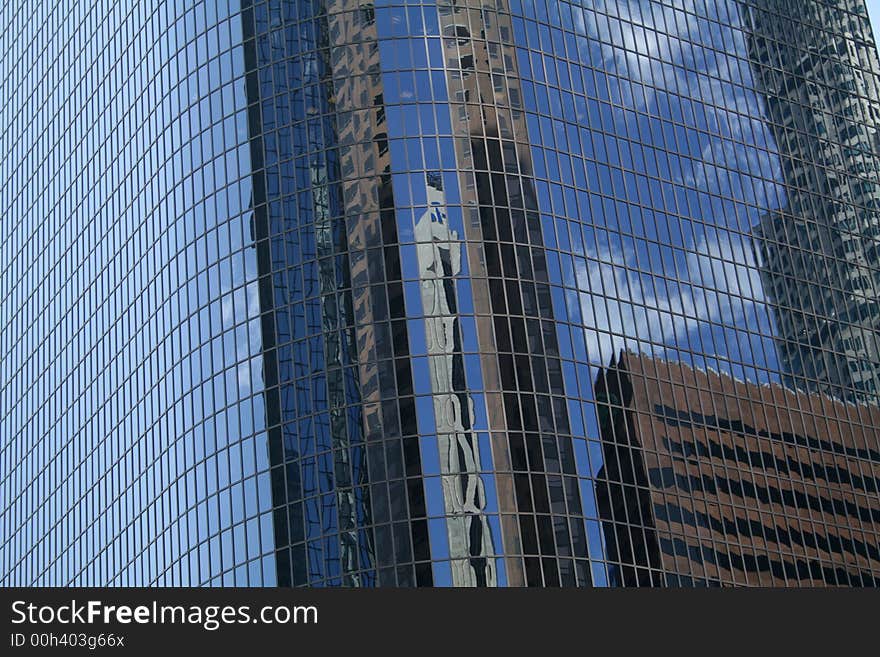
[227,309]
[671,48]
[253,301]
[688,69]
[623,308]
[727,275]
[243,372]
[240,312]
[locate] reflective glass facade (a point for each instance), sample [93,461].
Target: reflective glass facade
[133,422]
[474,293]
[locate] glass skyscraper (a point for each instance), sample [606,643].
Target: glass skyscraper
[457,293]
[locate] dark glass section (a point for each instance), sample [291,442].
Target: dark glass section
[346,477]
[528,363]
[623,496]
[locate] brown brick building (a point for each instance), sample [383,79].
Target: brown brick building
[708,480]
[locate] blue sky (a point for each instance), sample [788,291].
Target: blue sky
[874,12]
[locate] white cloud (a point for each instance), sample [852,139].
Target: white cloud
[625,308]
[671,48]
[716,295]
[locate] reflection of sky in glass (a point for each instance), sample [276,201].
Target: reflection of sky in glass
[158,307]
[874,13]
[667,263]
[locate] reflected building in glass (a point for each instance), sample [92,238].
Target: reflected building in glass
[456,293]
[714,481]
[819,251]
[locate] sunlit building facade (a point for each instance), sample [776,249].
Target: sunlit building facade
[325,292]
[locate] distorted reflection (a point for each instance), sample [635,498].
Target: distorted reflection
[439,255]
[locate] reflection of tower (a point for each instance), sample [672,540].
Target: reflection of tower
[819,255]
[541,509]
[439,255]
[324,220]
